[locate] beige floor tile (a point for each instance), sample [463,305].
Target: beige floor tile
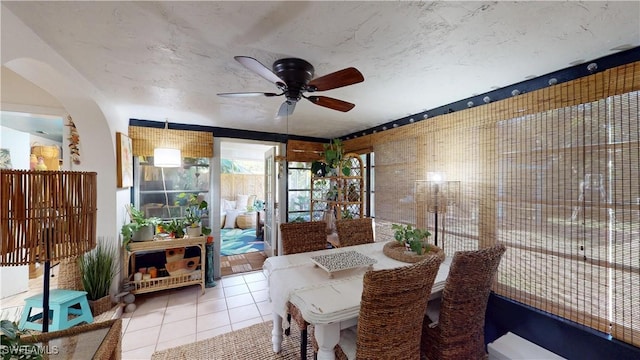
[243,313]
[143,353]
[202,335]
[265,309]
[260,295]
[239,300]
[177,313]
[212,321]
[232,280]
[176,341]
[258,285]
[145,321]
[236,290]
[209,307]
[177,329]
[140,338]
[243,324]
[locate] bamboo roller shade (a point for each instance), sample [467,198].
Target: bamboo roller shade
[553,174]
[191,143]
[40,210]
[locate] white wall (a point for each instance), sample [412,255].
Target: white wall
[97,121]
[18,144]
[15,279]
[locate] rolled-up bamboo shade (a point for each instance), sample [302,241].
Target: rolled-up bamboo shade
[304,151]
[191,143]
[46,215]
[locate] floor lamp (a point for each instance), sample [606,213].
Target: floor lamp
[46,216]
[438,195]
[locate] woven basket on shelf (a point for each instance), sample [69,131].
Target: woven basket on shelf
[397,251]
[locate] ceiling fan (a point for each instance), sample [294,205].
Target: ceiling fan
[294,77]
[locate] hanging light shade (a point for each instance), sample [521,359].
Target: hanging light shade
[165,157]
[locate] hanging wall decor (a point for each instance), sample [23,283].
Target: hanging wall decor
[74,141]
[124,158]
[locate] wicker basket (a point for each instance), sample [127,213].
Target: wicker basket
[397,251]
[101,305]
[69,276]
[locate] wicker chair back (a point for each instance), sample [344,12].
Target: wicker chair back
[354,231]
[459,333]
[302,237]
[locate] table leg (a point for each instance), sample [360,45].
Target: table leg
[276,333]
[327,336]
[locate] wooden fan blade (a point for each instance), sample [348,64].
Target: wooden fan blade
[257,67]
[286,108]
[344,77]
[331,103]
[248,94]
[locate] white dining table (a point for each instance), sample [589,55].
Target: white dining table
[330,302]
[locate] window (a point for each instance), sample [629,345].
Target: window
[299,191]
[555,175]
[163,192]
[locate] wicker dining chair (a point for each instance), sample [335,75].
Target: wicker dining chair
[354,231]
[453,327]
[391,310]
[299,237]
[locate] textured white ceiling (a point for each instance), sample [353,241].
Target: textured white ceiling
[159,60]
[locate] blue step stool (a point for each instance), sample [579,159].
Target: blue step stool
[61,304]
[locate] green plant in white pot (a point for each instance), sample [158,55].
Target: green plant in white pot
[97,270]
[196,209]
[140,228]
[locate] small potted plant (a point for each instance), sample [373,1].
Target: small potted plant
[139,229]
[196,209]
[174,228]
[414,239]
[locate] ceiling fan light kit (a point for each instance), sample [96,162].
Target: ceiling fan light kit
[294,78]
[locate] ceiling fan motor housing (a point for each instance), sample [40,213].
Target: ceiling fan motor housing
[296,74]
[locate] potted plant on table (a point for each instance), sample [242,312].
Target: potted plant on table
[97,270]
[140,228]
[414,239]
[196,209]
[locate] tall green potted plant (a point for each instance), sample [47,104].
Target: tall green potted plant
[97,270]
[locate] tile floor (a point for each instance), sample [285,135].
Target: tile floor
[180,316]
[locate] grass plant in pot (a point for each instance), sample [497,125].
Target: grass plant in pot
[140,228]
[97,270]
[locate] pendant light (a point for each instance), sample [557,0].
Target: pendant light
[167,157]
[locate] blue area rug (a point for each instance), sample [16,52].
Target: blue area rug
[239,241]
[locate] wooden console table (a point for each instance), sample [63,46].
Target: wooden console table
[196,277]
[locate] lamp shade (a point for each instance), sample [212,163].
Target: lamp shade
[165,157]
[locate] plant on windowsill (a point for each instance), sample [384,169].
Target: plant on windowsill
[139,229]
